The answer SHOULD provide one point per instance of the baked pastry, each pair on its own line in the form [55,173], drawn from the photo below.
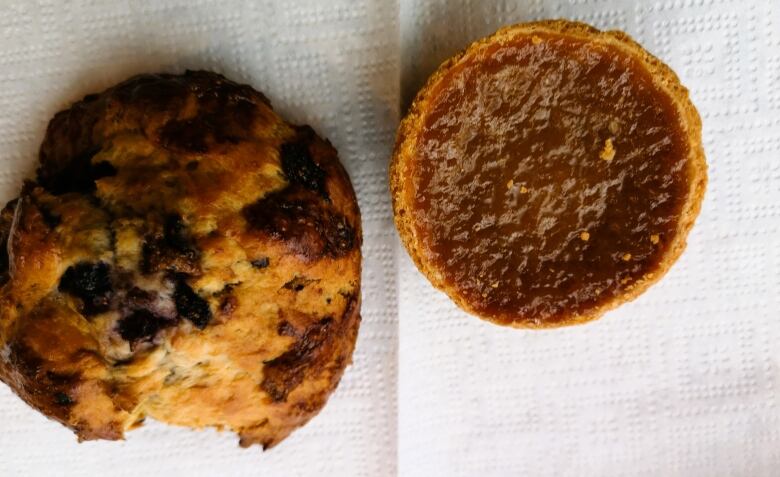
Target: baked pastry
[183,254]
[548,173]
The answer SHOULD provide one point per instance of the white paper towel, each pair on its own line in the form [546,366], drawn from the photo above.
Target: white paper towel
[333,65]
[682,382]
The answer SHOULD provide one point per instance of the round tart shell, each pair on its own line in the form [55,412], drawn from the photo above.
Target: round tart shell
[409,132]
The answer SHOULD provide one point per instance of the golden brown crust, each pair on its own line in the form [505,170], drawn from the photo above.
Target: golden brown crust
[666,80]
[184,254]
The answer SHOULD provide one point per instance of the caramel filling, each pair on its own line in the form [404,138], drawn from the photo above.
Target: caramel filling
[549,176]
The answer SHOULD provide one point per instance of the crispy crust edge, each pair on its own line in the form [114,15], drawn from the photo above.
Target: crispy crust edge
[663,76]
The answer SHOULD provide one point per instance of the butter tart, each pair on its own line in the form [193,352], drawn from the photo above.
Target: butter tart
[548,173]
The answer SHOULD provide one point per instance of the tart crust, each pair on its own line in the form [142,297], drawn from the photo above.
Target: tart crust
[410,131]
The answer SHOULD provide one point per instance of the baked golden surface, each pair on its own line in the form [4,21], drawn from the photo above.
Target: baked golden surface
[547,174]
[184,254]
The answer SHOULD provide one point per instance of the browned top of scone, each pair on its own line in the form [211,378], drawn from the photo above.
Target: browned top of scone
[184,253]
[548,173]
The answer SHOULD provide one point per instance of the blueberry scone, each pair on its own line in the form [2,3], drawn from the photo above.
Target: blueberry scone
[183,254]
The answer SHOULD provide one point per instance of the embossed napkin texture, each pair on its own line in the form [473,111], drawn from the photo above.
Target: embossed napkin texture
[682,382]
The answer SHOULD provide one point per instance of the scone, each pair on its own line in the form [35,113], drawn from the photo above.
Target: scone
[548,173]
[183,254]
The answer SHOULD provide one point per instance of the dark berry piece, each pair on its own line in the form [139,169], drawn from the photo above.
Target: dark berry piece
[298,283]
[191,306]
[62,399]
[260,262]
[141,325]
[228,304]
[91,282]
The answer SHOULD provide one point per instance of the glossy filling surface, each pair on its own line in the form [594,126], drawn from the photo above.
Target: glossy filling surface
[549,176]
